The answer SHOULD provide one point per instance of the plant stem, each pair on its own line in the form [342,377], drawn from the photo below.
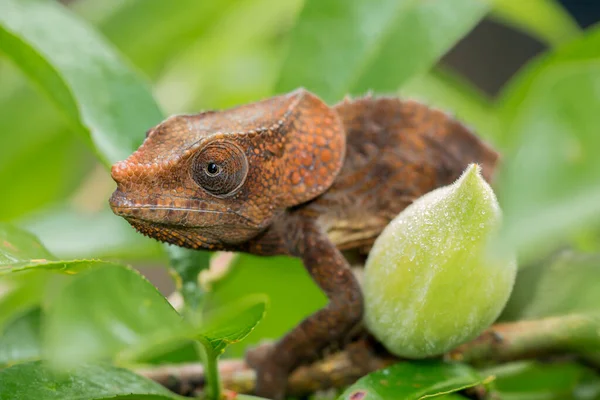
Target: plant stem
[501,342]
[210,372]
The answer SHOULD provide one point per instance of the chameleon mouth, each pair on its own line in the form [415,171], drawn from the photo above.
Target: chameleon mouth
[168,215]
[183,222]
[174,235]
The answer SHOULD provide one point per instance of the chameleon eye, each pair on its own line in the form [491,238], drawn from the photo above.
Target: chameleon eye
[220,168]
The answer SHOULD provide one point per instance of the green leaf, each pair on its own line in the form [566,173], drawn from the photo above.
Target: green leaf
[565,284]
[65,267]
[548,112]
[109,312]
[241,55]
[418,38]
[91,84]
[449,91]
[545,19]
[531,380]
[233,322]
[550,184]
[72,234]
[21,251]
[520,88]
[39,153]
[329,64]
[25,266]
[20,339]
[45,169]
[371,45]
[186,352]
[115,313]
[88,382]
[173,28]
[284,280]
[186,266]
[19,247]
[20,292]
[226,326]
[414,381]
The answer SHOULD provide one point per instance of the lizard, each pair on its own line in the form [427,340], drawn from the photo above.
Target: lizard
[290,175]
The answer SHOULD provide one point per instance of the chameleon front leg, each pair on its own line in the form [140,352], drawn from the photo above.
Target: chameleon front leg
[329,269]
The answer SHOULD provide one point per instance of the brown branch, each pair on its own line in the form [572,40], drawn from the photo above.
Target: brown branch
[501,342]
[528,339]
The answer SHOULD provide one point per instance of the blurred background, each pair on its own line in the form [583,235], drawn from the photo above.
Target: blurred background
[201,55]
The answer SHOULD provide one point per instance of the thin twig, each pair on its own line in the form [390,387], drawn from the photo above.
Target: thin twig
[501,342]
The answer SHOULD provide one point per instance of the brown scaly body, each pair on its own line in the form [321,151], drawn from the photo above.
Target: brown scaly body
[290,175]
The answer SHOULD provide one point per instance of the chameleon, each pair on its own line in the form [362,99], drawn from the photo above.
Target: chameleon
[290,175]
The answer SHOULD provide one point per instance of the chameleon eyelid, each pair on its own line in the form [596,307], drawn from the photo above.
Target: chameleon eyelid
[232,167]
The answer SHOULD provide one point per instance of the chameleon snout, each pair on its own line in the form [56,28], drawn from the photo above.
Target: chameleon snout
[120,201]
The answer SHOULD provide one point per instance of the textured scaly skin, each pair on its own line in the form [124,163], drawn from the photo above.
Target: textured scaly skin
[295,177]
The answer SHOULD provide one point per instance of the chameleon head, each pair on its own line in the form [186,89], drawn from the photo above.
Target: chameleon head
[216,179]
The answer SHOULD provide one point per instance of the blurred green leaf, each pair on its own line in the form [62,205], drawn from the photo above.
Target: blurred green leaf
[20,339]
[25,265]
[418,38]
[587,240]
[22,251]
[371,45]
[531,380]
[545,19]
[88,382]
[19,247]
[449,91]
[43,174]
[548,116]
[162,37]
[232,322]
[37,152]
[110,311]
[236,62]
[96,12]
[567,283]
[186,265]
[284,280]
[519,89]
[328,64]
[95,89]
[186,352]
[414,380]
[19,292]
[65,267]
[114,312]
[71,234]
[550,183]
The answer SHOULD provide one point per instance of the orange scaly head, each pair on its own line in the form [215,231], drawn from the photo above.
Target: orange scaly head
[216,179]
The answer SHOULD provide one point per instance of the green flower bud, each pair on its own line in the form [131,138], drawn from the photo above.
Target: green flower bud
[430,281]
